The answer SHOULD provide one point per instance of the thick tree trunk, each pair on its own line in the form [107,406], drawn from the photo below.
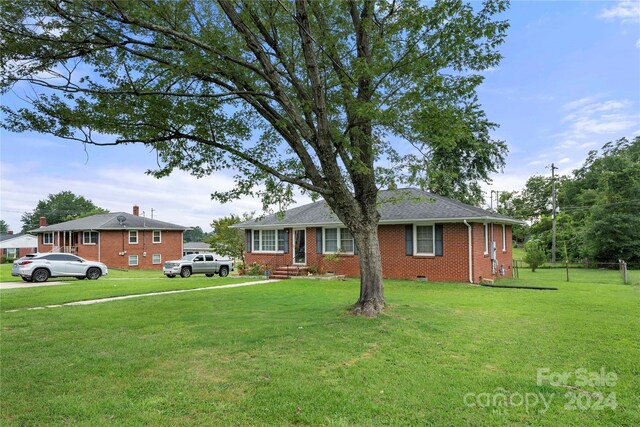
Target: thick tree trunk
[371,301]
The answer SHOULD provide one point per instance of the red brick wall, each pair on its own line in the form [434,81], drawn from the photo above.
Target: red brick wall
[482,262]
[24,251]
[111,244]
[453,265]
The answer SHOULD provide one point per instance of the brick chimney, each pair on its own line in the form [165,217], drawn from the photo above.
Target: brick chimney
[136,210]
[43,221]
[10,232]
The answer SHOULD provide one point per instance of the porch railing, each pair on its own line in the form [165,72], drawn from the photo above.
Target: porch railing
[278,260]
[65,249]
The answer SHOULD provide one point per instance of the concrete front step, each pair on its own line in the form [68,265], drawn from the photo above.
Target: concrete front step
[279,277]
[289,271]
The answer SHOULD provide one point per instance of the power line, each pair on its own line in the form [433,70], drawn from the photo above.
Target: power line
[580,207]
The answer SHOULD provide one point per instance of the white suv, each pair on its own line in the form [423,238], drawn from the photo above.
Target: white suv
[41,267]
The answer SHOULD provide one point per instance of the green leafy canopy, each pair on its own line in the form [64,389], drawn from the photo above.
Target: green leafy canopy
[332,96]
[60,207]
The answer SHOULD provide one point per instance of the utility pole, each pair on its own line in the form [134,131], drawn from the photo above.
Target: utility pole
[152,210]
[553,213]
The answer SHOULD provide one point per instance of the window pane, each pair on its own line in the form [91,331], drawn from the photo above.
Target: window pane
[89,237]
[504,237]
[331,240]
[157,258]
[346,240]
[133,259]
[133,237]
[156,236]
[281,236]
[256,240]
[424,239]
[268,240]
[486,238]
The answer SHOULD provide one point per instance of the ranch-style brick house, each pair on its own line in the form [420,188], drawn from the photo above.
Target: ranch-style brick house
[118,239]
[17,245]
[422,236]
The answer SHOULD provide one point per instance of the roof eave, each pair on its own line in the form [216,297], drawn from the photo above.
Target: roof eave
[387,222]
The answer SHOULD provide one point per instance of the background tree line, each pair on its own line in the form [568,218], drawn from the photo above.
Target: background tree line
[598,206]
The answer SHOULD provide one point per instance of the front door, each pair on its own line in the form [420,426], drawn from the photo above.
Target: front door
[299,246]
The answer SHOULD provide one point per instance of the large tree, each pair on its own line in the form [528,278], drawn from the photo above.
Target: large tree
[598,205]
[195,234]
[60,207]
[228,241]
[4,227]
[333,97]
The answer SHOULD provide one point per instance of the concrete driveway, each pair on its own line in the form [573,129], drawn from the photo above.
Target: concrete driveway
[18,285]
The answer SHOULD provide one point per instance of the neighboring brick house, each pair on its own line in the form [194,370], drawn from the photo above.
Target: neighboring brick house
[17,245]
[422,236]
[119,239]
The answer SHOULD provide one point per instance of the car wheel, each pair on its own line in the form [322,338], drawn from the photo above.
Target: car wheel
[93,273]
[81,277]
[171,276]
[40,275]
[185,272]
[224,271]
[209,275]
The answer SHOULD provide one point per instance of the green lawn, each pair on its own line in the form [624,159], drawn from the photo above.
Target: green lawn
[5,274]
[286,353]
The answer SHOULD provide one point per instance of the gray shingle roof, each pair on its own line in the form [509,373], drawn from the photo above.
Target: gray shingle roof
[109,221]
[197,245]
[396,206]
[4,237]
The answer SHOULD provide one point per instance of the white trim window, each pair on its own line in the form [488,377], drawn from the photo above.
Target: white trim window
[156,259]
[89,237]
[337,240]
[47,238]
[424,239]
[157,236]
[133,260]
[504,238]
[486,238]
[269,240]
[133,237]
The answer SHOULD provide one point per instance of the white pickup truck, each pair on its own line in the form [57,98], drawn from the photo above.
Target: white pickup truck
[207,264]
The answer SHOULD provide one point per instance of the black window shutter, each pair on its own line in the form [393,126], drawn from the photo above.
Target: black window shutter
[318,240]
[438,228]
[356,251]
[247,235]
[408,239]
[286,240]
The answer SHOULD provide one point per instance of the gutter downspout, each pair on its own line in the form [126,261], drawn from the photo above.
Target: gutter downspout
[470,253]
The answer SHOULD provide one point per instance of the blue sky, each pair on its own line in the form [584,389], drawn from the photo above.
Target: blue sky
[569,82]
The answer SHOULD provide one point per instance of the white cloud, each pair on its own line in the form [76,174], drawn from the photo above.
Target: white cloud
[564,160]
[625,11]
[179,198]
[590,117]
[588,145]
[580,102]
